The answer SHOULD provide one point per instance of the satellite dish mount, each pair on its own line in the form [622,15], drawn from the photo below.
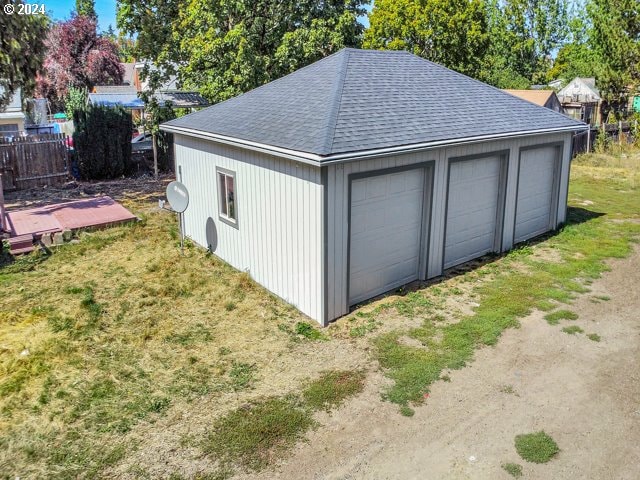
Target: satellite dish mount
[178,198]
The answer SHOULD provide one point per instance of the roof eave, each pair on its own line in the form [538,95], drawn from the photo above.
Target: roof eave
[320,160]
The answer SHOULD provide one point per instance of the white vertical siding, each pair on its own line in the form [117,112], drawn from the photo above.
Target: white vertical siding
[279,209]
[338,207]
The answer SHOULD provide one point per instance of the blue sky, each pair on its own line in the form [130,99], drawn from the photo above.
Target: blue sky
[61,10]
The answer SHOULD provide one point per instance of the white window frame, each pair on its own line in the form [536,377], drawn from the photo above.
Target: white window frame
[223,198]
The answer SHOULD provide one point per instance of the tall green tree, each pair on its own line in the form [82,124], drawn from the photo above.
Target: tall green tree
[453,33]
[21,53]
[576,58]
[224,48]
[534,29]
[616,38]
[86,8]
[499,65]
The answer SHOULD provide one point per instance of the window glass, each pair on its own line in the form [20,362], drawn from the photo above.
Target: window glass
[222,193]
[231,210]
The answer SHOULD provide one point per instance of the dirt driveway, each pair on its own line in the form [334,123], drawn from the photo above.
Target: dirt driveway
[585,394]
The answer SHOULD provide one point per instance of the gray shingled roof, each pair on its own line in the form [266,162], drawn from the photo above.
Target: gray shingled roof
[358,100]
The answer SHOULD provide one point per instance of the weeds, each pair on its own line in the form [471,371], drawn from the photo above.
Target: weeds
[513,469]
[594,337]
[252,436]
[536,447]
[554,318]
[572,330]
[331,389]
[242,375]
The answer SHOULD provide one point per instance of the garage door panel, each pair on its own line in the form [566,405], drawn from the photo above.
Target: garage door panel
[536,182]
[472,209]
[386,230]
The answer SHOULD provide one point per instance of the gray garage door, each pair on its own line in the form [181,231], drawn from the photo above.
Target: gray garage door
[472,209]
[536,189]
[386,226]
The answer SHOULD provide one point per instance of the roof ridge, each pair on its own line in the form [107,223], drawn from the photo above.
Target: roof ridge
[336,101]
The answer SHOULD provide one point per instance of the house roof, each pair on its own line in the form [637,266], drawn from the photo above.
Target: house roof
[539,97]
[129,98]
[580,90]
[365,100]
[126,100]
[125,89]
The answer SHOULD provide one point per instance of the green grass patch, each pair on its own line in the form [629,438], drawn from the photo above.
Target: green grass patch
[513,469]
[594,337]
[536,447]
[333,388]
[572,329]
[554,318]
[252,436]
[308,331]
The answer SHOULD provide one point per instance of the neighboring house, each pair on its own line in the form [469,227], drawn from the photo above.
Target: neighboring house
[12,117]
[127,97]
[543,98]
[580,99]
[141,85]
[555,84]
[128,78]
[365,171]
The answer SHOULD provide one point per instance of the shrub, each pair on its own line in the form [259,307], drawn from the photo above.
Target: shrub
[76,99]
[103,141]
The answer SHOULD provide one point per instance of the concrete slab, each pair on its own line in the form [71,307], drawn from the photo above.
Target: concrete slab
[92,212]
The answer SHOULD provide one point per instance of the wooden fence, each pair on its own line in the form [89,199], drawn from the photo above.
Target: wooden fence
[620,133]
[33,161]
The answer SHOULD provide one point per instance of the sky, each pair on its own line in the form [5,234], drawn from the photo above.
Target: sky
[61,10]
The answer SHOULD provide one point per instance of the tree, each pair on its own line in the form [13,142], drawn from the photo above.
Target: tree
[450,32]
[576,58]
[21,53]
[77,57]
[499,66]
[86,8]
[616,38]
[226,48]
[534,29]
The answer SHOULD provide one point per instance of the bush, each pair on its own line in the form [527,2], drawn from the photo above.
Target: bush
[103,141]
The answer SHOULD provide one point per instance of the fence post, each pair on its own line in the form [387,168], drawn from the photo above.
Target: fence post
[588,138]
[2,212]
[620,132]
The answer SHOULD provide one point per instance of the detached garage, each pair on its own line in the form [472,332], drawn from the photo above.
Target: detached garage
[365,171]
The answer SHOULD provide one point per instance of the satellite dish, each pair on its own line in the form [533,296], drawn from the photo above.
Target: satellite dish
[178,196]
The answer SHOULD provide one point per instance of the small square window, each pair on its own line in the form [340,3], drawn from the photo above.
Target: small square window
[226,196]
